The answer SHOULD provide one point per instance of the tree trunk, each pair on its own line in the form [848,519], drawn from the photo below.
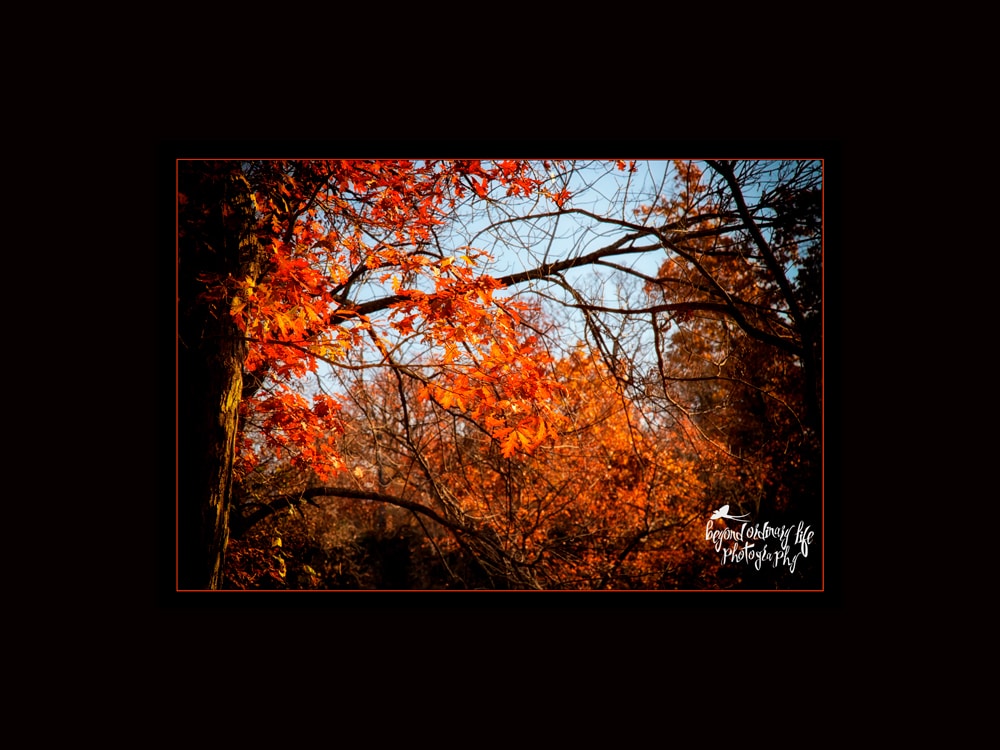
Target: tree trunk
[215,237]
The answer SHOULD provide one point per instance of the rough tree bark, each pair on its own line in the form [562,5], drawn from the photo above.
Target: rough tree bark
[218,237]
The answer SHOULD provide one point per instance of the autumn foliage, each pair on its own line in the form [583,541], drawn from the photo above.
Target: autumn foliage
[409,417]
[320,246]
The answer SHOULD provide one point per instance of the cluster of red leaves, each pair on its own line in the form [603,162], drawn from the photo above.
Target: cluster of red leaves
[290,426]
[487,369]
[318,221]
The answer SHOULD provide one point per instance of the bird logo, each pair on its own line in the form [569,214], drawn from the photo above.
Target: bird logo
[723,512]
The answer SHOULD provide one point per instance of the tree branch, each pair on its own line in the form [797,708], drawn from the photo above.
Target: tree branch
[726,171]
[720,307]
[293,499]
[548,270]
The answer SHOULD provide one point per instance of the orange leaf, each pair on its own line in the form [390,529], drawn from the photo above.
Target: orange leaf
[510,444]
[525,440]
[540,434]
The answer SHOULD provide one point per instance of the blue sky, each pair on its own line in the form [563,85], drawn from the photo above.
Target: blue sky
[597,187]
